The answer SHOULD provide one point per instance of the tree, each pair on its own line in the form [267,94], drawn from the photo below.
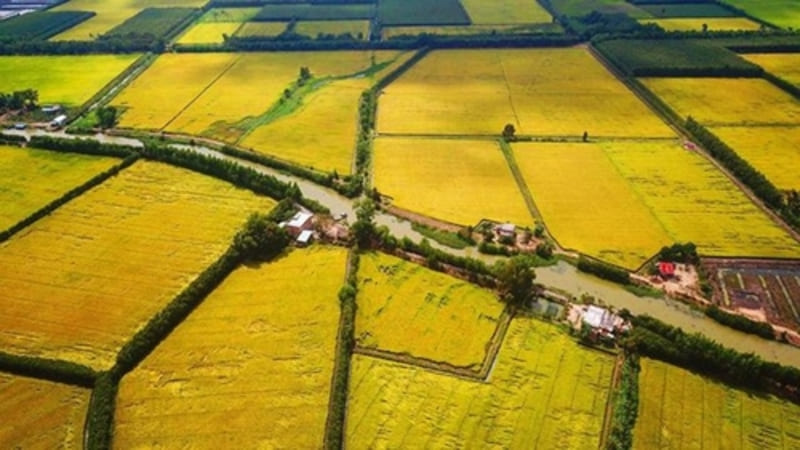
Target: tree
[364,226]
[261,238]
[509,132]
[515,277]
[305,75]
[107,117]
[705,27]
[585,136]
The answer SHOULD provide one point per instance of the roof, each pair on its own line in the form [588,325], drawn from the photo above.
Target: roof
[597,317]
[666,268]
[507,227]
[60,118]
[305,237]
[300,219]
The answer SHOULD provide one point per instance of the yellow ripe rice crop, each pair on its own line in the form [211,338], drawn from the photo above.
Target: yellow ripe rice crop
[154,98]
[41,414]
[251,367]
[784,65]
[696,202]
[99,267]
[774,151]
[336,27]
[586,205]
[545,391]
[679,409]
[711,102]
[67,80]
[713,23]
[409,309]
[459,181]
[30,179]
[110,13]
[505,12]
[209,32]
[540,91]
[261,29]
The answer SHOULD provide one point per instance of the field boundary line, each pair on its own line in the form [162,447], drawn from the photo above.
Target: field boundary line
[441,368]
[508,154]
[203,91]
[510,96]
[608,417]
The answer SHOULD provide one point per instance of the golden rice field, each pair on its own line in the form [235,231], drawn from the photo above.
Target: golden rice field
[680,410]
[209,32]
[41,414]
[713,23]
[545,391]
[332,112]
[251,367]
[784,65]
[696,202]
[773,151]
[505,12]
[409,309]
[709,100]
[541,91]
[30,179]
[110,13]
[336,27]
[586,205]
[261,29]
[132,243]
[459,181]
[67,80]
[225,95]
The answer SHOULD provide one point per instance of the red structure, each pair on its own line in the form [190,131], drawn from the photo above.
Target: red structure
[666,269]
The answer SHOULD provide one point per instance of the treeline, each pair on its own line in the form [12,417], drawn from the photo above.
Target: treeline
[682,253]
[741,323]
[653,338]
[626,406]
[84,146]
[744,172]
[12,139]
[71,194]
[345,341]
[603,270]
[48,369]
[26,98]
[110,44]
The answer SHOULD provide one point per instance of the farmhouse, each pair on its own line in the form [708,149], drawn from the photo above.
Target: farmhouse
[666,270]
[600,319]
[301,221]
[508,230]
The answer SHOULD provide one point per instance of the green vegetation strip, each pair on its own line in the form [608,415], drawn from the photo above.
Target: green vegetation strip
[626,406]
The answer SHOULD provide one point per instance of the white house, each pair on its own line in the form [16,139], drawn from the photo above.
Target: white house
[300,222]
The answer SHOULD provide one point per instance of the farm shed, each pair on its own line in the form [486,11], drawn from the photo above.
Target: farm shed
[506,230]
[300,222]
[599,319]
[305,238]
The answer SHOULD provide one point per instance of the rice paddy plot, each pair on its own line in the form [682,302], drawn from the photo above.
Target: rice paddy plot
[111,13]
[465,30]
[709,23]
[30,179]
[586,205]
[695,202]
[459,181]
[234,15]
[80,282]
[540,91]
[411,310]
[505,12]
[773,151]
[709,100]
[668,10]
[783,13]
[358,29]
[250,367]
[209,33]
[422,12]
[41,414]
[545,391]
[783,65]
[580,8]
[679,409]
[68,80]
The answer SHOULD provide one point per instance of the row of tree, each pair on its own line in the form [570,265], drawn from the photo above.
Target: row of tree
[26,99]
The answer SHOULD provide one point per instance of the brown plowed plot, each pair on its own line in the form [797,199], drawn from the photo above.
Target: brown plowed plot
[41,414]
[784,312]
[792,284]
[78,283]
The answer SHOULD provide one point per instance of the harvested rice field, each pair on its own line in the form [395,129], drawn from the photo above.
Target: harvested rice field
[30,179]
[783,65]
[111,13]
[133,242]
[587,206]
[712,23]
[545,391]
[622,201]
[41,414]
[549,92]
[67,80]
[408,309]
[773,151]
[459,181]
[256,356]
[679,409]
[709,100]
